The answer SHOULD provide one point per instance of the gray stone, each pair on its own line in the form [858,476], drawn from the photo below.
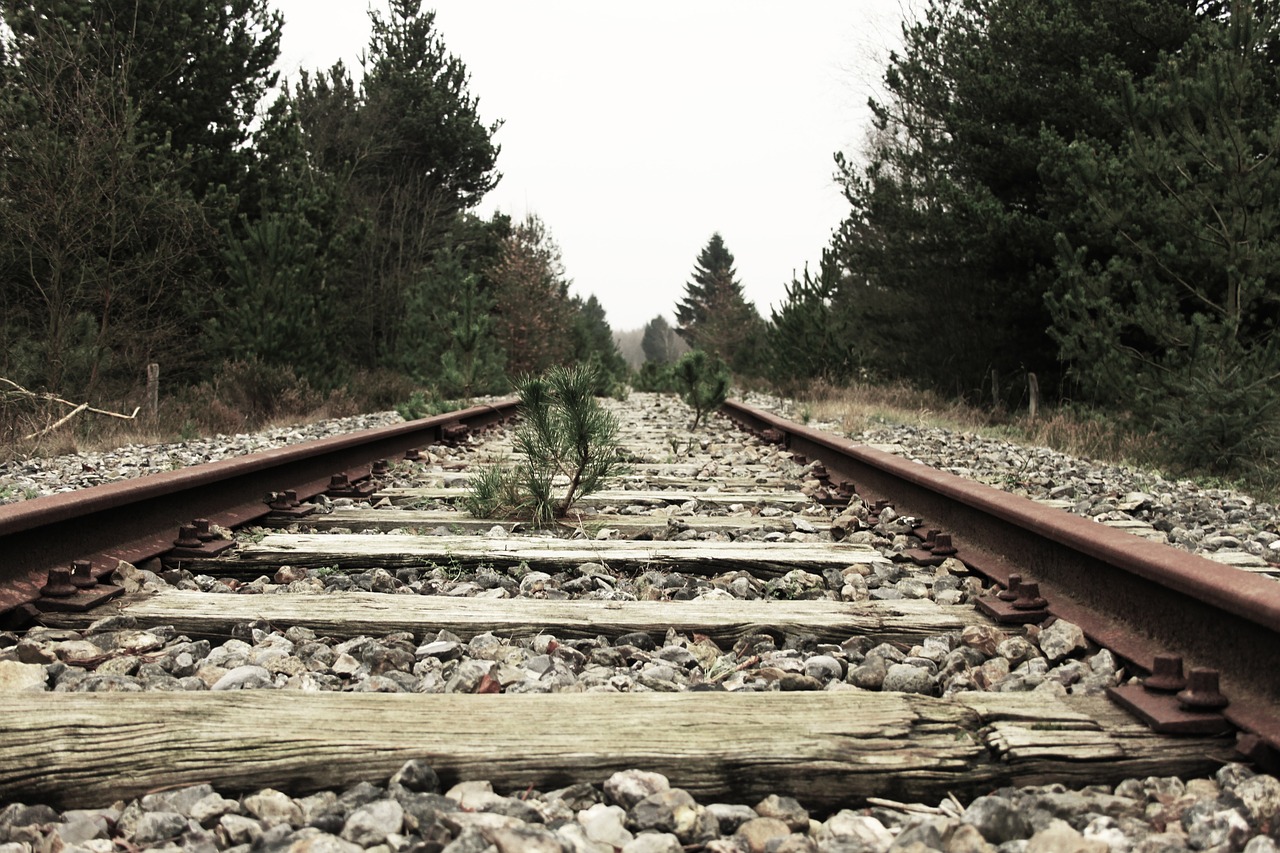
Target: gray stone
[1258,799]
[244,677]
[1016,650]
[757,833]
[526,839]
[158,826]
[997,819]
[1059,837]
[905,678]
[273,807]
[323,842]
[730,816]
[865,831]
[823,668]
[373,822]
[786,809]
[675,811]
[1062,639]
[926,832]
[417,775]
[868,676]
[181,800]
[212,806]
[604,824]
[80,829]
[628,787]
[18,677]
[1261,844]
[240,829]
[653,842]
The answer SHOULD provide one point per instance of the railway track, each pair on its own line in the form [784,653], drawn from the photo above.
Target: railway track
[746,615]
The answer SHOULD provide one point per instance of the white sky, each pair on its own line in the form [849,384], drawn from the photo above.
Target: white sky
[637,130]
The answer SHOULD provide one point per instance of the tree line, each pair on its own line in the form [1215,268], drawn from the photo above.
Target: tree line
[1083,190]
[165,197]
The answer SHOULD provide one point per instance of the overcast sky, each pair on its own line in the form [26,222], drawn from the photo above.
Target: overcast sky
[637,130]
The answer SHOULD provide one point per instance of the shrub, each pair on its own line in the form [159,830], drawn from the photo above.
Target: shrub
[703,381]
[570,447]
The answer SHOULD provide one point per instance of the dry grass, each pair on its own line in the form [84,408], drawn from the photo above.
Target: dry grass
[240,397]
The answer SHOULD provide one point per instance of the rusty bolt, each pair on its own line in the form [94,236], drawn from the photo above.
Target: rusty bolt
[187,537]
[1166,675]
[1202,691]
[339,481]
[1010,592]
[291,497]
[204,529]
[930,537]
[1028,597]
[413,454]
[942,546]
[59,584]
[82,574]
[380,468]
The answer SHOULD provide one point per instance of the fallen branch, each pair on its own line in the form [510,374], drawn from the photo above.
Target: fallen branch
[51,427]
[76,408]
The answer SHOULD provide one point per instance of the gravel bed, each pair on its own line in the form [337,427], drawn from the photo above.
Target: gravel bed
[1218,523]
[635,811]
[113,655]
[25,479]
[638,811]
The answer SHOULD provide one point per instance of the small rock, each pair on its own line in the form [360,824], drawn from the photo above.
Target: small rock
[1061,639]
[373,822]
[653,842]
[244,678]
[158,826]
[628,787]
[273,807]
[905,678]
[786,809]
[997,819]
[18,677]
[605,824]
[1059,837]
[757,833]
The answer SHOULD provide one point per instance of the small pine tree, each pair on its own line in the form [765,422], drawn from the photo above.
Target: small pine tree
[703,381]
[569,443]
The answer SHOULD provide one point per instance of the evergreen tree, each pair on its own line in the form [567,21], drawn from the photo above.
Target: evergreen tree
[194,71]
[811,335]
[715,316]
[98,234]
[594,347]
[410,156]
[1171,302]
[951,233]
[531,291]
[660,344]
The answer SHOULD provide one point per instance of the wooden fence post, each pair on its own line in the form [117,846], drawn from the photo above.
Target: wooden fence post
[153,392]
[1033,386]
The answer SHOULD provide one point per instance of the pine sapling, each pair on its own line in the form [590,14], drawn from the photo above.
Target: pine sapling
[570,448]
[703,381]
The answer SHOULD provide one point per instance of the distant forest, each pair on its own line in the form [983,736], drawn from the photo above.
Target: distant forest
[1080,190]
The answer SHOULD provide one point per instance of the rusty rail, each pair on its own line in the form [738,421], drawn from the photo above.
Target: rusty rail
[1139,598]
[135,520]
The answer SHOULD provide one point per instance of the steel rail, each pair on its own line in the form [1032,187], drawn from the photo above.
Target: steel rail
[1138,598]
[134,520]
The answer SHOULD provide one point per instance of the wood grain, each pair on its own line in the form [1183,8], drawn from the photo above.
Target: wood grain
[374,614]
[829,750]
[353,551]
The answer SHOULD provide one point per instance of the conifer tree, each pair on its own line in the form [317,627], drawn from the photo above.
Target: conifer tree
[715,316]
[660,344]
